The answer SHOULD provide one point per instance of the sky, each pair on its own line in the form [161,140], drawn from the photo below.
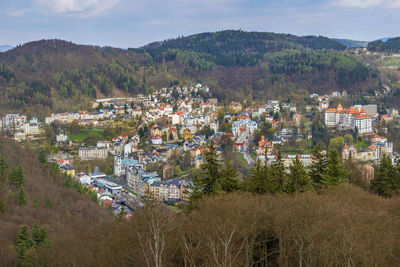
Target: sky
[134,23]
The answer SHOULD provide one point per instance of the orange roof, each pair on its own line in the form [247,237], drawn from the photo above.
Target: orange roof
[339,106]
[331,109]
[385,116]
[362,116]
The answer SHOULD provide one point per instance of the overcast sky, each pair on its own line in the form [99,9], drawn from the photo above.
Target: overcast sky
[133,23]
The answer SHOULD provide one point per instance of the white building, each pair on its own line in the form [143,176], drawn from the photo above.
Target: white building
[243,125]
[349,119]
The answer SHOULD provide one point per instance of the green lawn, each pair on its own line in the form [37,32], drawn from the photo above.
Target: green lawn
[82,135]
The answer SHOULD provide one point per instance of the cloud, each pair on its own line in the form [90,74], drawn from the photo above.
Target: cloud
[368,3]
[80,7]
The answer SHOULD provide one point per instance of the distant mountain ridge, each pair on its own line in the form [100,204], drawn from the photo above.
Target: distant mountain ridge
[391,45]
[4,48]
[55,75]
[352,43]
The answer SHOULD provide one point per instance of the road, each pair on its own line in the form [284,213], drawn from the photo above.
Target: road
[246,154]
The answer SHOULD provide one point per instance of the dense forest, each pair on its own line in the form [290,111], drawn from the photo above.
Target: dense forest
[392,45]
[53,75]
[47,219]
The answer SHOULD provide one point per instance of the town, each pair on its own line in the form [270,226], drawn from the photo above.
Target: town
[126,149]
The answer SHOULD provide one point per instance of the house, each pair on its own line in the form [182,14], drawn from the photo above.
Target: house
[187,134]
[368,172]
[88,153]
[156,140]
[236,106]
[68,170]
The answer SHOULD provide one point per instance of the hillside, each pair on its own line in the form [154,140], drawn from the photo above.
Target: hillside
[66,214]
[335,227]
[55,75]
[352,43]
[391,45]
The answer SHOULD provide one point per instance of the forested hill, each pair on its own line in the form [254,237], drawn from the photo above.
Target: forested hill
[55,75]
[229,48]
[391,45]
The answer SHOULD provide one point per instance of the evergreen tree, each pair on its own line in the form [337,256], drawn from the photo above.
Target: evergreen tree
[209,183]
[386,181]
[17,176]
[335,171]
[298,178]
[23,242]
[259,181]
[39,235]
[21,200]
[278,174]
[229,178]
[42,157]
[318,168]
[3,168]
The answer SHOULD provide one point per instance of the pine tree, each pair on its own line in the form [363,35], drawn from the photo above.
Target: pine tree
[209,182]
[21,200]
[17,176]
[318,168]
[229,178]
[42,157]
[39,235]
[3,168]
[386,180]
[259,181]
[23,242]
[298,178]
[278,174]
[335,170]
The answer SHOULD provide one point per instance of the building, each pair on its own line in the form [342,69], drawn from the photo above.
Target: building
[32,127]
[13,122]
[350,118]
[88,153]
[61,138]
[68,170]
[121,164]
[243,125]
[368,172]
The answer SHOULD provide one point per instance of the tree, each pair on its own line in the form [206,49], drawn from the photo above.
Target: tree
[336,143]
[17,176]
[298,178]
[259,181]
[23,242]
[3,167]
[386,181]
[39,235]
[209,183]
[335,171]
[42,157]
[318,167]
[278,174]
[229,178]
[21,200]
